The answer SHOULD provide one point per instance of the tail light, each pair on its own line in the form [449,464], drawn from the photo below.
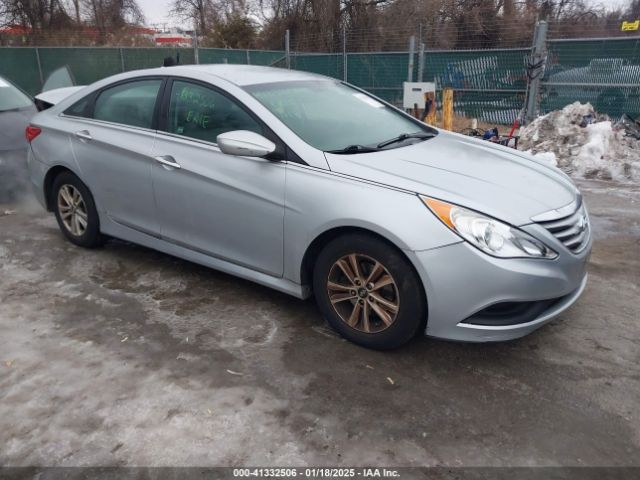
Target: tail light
[32,132]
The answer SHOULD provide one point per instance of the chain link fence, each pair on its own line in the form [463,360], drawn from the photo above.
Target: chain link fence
[491,84]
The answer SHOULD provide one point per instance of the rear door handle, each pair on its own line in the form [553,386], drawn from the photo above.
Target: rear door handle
[167,161]
[84,135]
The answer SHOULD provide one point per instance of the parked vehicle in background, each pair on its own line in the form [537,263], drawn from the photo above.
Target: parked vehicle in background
[309,185]
[16,110]
[612,82]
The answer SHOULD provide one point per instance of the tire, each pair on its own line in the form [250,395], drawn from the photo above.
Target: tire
[401,302]
[70,197]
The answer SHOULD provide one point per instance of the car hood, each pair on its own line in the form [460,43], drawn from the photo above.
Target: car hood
[12,126]
[498,181]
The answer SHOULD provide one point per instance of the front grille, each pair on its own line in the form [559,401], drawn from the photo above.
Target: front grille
[573,231]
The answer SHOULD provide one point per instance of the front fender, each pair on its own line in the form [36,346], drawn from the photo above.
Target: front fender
[318,201]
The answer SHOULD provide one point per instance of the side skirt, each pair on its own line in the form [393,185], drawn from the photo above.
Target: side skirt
[117,230]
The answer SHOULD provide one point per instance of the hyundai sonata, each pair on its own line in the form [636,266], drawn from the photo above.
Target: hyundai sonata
[314,187]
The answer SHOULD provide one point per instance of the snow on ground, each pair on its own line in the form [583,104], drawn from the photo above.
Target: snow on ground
[596,150]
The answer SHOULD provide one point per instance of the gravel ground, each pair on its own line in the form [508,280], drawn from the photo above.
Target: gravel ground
[124,356]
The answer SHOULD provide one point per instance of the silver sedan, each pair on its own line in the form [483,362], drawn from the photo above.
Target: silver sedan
[313,187]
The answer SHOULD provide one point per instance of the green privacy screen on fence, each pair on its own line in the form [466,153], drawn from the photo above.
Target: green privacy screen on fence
[330,64]
[245,57]
[20,65]
[489,84]
[87,64]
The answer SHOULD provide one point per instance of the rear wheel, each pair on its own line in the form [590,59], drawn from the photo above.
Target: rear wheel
[369,292]
[76,211]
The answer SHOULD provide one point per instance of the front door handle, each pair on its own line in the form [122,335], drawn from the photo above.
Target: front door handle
[84,135]
[167,161]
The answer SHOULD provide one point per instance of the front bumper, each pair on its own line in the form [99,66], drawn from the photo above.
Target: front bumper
[460,281]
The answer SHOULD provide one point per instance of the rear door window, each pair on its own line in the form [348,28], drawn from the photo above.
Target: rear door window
[131,103]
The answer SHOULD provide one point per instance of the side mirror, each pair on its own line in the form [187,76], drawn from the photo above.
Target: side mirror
[245,143]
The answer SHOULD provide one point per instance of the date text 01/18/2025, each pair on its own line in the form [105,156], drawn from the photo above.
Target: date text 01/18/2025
[316,472]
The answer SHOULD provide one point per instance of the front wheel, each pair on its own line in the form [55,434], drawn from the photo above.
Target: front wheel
[369,292]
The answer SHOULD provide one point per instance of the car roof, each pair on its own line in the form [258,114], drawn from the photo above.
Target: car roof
[240,75]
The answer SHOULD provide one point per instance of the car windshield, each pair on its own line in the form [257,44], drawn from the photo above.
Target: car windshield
[332,116]
[11,98]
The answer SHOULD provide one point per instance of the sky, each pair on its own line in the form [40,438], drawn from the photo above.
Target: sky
[156,11]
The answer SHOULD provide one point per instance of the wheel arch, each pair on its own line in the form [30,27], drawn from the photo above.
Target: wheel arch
[49,178]
[321,240]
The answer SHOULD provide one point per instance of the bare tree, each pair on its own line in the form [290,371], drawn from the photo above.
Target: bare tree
[36,14]
[316,24]
[197,11]
[76,9]
[112,15]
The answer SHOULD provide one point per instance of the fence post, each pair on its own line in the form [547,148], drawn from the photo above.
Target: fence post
[430,105]
[344,53]
[196,53]
[535,70]
[122,60]
[447,109]
[39,67]
[420,62]
[287,50]
[248,58]
[412,50]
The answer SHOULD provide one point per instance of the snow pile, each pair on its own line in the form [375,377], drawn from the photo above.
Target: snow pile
[548,157]
[583,143]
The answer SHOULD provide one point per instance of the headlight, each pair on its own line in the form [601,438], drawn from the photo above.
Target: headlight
[489,235]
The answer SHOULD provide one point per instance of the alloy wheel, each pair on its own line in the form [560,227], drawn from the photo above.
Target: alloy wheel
[363,293]
[73,210]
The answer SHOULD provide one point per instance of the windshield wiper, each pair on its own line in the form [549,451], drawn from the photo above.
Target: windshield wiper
[405,136]
[354,149]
